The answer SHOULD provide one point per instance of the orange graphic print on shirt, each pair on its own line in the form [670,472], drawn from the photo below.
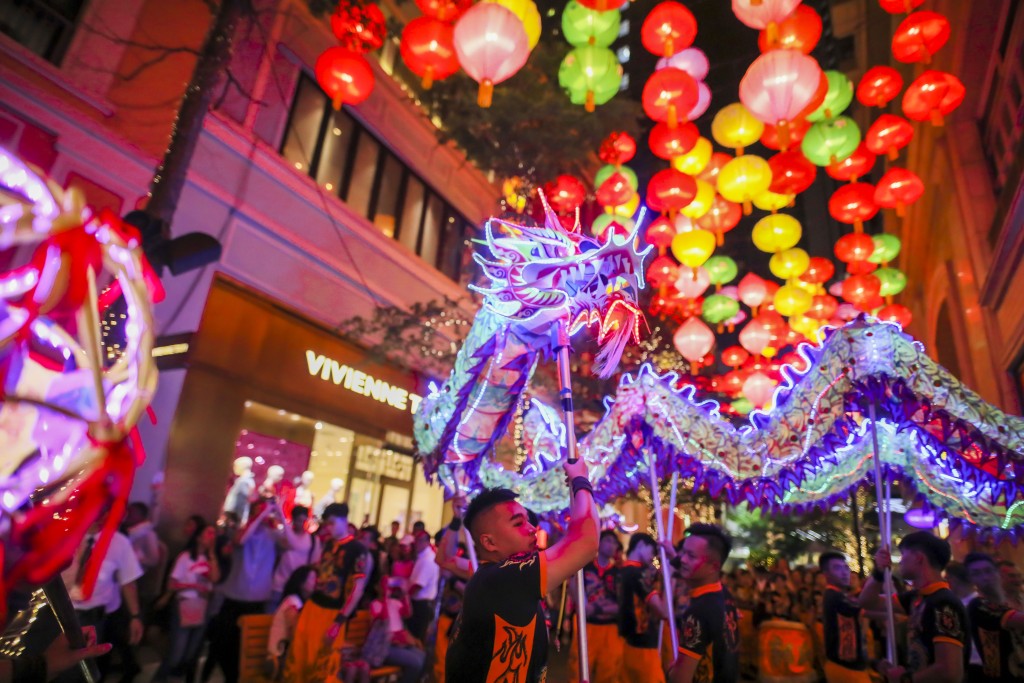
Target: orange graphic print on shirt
[513,645]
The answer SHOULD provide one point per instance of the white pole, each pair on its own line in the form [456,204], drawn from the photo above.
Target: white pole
[883,524]
[666,575]
[470,549]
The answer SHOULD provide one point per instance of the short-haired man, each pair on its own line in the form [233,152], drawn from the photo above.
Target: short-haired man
[641,611]
[604,644]
[845,656]
[423,583]
[1013,583]
[295,547]
[501,635]
[709,631]
[937,646]
[340,582]
[997,629]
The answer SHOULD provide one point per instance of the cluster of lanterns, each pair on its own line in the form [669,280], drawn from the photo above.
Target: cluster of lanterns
[793,107]
[591,73]
[343,71]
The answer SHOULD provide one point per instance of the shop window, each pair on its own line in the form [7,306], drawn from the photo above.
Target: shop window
[335,151]
[346,159]
[43,26]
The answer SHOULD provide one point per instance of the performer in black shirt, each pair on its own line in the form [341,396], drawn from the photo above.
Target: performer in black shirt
[997,629]
[641,611]
[500,635]
[709,632]
[937,645]
[600,582]
[845,659]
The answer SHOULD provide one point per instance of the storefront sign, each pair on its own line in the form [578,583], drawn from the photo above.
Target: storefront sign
[359,382]
[384,462]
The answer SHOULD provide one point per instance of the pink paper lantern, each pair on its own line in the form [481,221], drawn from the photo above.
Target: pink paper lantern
[693,340]
[690,285]
[761,14]
[778,86]
[703,101]
[491,45]
[759,389]
[692,60]
[752,290]
[755,337]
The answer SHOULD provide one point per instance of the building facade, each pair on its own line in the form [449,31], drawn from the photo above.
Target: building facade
[322,214]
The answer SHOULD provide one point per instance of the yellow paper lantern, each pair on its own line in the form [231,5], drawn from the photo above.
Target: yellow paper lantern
[702,201]
[735,127]
[629,208]
[694,161]
[693,248]
[744,178]
[772,201]
[806,326]
[789,264]
[528,14]
[776,232]
[790,300]
[511,188]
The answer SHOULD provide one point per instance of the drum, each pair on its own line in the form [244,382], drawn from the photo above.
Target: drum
[785,653]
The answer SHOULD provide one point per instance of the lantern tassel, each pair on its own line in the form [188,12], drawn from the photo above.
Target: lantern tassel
[894,153]
[719,238]
[747,207]
[428,78]
[669,47]
[485,93]
[771,33]
[936,118]
[783,129]
[673,117]
[337,101]
[858,226]
[589,106]
[901,209]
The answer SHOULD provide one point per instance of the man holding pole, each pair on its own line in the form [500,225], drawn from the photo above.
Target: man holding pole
[845,659]
[709,631]
[997,630]
[600,581]
[937,646]
[641,611]
[500,635]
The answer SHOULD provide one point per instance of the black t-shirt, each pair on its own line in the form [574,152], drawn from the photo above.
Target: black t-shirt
[936,615]
[710,633]
[1001,650]
[600,586]
[844,642]
[500,635]
[636,623]
[342,562]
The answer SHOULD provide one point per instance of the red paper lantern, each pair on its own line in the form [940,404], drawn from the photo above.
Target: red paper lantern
[854,204]
[660,233]
[714,165]
[897,189]
[668,28]
[854,166]
[797,130]
[933,95]
[615,190]
[735,356]
[360,28]
[428,49]
[792,173]
[669,95]
[919,36]
[801,31]
[900,6]
[688,307]
[854,247]
[860,267]
[896,313]
[861,288]
[670,190]
[667,143]
[819,271]
[345,76]
[878,86]
[617,148]
[722,217]
[444,10]
[663,271]
[565,193]
[823,307]
[888,135]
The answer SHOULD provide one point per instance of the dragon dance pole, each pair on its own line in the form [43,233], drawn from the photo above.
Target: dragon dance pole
[60,602]
[470,549]
[565,393]
[666,575]
[883,524]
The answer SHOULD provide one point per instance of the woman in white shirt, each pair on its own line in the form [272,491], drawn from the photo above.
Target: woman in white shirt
[297,590]
[192,578]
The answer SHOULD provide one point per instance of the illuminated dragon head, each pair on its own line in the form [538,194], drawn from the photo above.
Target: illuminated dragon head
[546,274]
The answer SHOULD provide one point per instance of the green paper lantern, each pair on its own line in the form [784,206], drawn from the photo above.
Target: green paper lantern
[605,172]
[591,75]
[721,269]
[743,406]
[887,248]
[831,141]
[602,222]
[838,98]
[893,281]
[718,308]
[584,26]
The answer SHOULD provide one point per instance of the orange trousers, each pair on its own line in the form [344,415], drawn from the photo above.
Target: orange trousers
[309,658]
[604,651]
[642,665]
[836,673]
[444,622]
